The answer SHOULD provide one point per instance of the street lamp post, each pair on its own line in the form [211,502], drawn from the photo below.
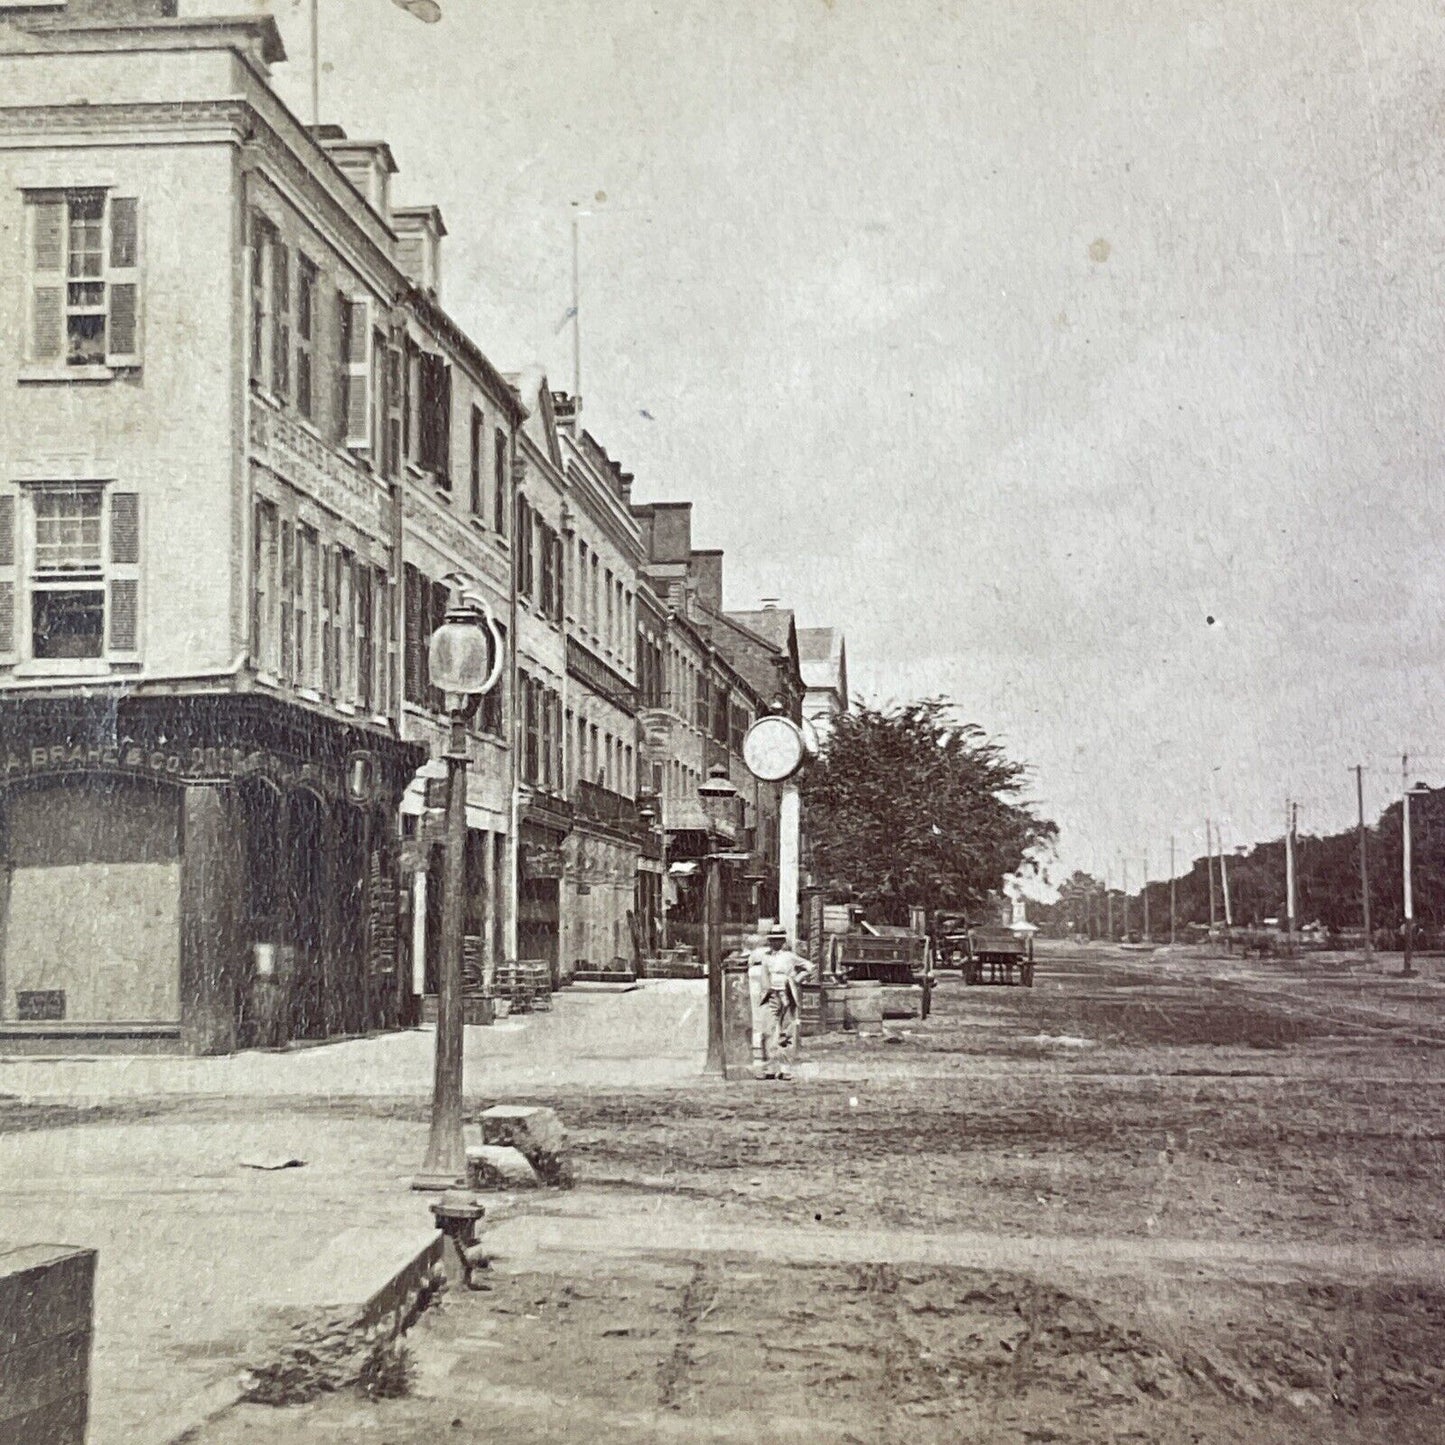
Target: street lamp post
[464,661]
[718,797]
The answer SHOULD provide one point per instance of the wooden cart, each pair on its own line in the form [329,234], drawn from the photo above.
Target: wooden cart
[999,955]
[900,960]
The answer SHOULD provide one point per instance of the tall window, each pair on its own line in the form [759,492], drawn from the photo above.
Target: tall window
[435,418]
[479,432]
[280,320]
[306,278]
[499,482]
[84,294]
[306,658]
[286,599]
[365,638]
[265,641]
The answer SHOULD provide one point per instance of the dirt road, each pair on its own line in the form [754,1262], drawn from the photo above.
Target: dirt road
[1150,1199]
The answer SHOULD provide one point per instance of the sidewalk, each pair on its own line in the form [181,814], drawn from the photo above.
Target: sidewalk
[197,1251]
[653,1035]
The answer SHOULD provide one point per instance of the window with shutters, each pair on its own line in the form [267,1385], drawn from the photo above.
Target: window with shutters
[357,339]
[441,596]
[491,714]
[262,232]
[395,412]
[344,623]
[290,586]
[478,433]
[84,292]
[415,594]
[307,662]
[9,593]
[306,282]
[83,573]
[384,688]
[532,735]
[435,419]
[265,644]
[365,638]
[499,481]
[280,320]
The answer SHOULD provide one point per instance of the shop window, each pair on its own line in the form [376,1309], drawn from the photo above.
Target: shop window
[84,293]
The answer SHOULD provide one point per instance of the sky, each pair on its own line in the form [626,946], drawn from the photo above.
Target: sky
[1083,363]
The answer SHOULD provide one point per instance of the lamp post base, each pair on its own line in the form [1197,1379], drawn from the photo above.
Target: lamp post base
[438,1182]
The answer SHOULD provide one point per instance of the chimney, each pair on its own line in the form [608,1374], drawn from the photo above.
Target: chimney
[671,531]
[419,232]
[705,571]
[564,410]
[367,164]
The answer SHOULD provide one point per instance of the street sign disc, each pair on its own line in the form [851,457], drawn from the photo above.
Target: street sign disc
[774,749]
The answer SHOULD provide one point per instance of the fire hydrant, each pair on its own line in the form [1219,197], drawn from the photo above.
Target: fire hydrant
[457,1214]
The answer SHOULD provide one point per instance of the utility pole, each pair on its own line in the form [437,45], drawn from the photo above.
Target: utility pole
[1291,816]
[577,314]
[1209,851]
[1364,862]
[1407,868]
[1124,885]
[1173,885]
[1147,934]
[1109,907]
[1224,877]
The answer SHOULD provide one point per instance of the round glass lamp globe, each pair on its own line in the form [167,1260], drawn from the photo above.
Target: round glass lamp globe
[459,659]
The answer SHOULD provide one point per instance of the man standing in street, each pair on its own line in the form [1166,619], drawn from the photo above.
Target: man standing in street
[776,973]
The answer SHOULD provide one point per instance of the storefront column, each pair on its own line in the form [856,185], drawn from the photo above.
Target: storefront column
[211,892]
[418,935]
[489,906]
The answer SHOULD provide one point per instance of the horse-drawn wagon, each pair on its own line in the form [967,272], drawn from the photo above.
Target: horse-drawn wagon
[1000,955]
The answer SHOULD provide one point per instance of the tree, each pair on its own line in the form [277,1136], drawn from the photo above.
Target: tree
[909,807]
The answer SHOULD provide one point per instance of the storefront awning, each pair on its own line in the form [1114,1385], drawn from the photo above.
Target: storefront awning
[413,800]
[686,815]
[682,870]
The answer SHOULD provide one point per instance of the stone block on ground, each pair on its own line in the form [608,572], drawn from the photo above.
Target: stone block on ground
[535,1132]
[494,1166]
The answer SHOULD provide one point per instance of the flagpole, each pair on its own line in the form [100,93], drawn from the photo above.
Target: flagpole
[315,63]
[577,312]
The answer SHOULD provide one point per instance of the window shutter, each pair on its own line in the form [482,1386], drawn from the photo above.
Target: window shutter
[7,577]
[123,289]
[47,278]
[280,319]
[444,427]
[341,371]
[358,376]
[395,404]
[122,612]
